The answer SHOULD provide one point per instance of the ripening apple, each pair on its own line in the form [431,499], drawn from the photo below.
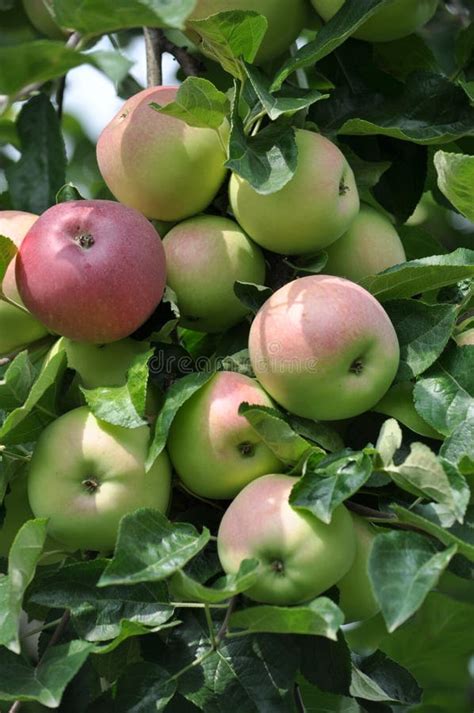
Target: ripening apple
[357,599]
[214,450]
[158,164]
[312,211]
[40,14]
[324,348]
[466,338]
[300,556]
[397,19]
[286,19]
[92,271]
[85,475]
[371,245]
[205,256]
[398,403]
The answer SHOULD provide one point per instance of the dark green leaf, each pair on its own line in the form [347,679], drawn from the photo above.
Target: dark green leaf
[144,687]
[251,295]
[185,588]
[68,192]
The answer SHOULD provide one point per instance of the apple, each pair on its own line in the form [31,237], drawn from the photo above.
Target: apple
[371,245]
[204,257]
[324,348]
[398,403]
[286,19]
[397,19]
[85,475]
[312,211]
[92,271]
[357,599]
[466,338]
[300,556]
[215,451]
[158,164]
[40,14]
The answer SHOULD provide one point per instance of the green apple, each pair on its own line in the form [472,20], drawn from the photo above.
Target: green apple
[398,403]
[286,19]
[40,14]
[397,19]
[324,348]
[466,338]
[357,599]
[300,556]
[312,211]
[214,450]
[205,256]
[158,164]
[17,328]
[371,245]
[85,475]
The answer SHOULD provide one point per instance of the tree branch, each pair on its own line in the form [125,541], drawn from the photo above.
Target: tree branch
[154,51]
[220,636]
[191,66]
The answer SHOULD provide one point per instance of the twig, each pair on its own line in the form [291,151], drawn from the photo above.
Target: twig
[191,66]
[220,636]
[60,96]
[154,51]
[383,518]
[299,700]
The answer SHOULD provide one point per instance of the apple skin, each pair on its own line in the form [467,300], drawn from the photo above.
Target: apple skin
[357,599]
[371,245]
[77,452]
[204,257]
[41,18]
[312,211]
[398,403]
[286,19]
[157,164]
[215,451]
[300,556]
[106,270]
[465,339]
[324,348]
[399,19]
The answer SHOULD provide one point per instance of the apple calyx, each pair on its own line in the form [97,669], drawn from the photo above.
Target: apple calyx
[357,367]
[343,187]
[246,449]
[91,485]
[84,240]
[277,566]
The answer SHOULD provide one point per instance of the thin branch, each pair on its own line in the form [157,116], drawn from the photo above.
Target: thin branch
[60,96]
[299,700]
[191,66]
[154,52]
[221,634]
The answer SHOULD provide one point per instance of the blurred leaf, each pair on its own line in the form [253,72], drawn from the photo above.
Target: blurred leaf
[150,548]
[418,243]
[8,251]
[40,172]
[68,192]
[251,295]
[198,103]
[405,56]
[455,180]
[418,566]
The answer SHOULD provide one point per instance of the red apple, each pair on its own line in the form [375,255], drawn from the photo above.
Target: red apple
[92,271]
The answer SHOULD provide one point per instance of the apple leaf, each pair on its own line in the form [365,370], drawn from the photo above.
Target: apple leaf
[330,482]
[413,278]
[455,180]
[230,37]
[22,560]
[151,548]
[418,242]
[97,17]
[198,103]
[317,701]
[68,192]
[185,588]
[458,448]
[251,295]
[318,433]
[45,683]
[8,251]
[389,441]
[17,382]
[176,396]
[321,617]
[402,57]
[378,678]
[144,687]
[418,565]
[276,432]
[99,614]
[444,396]
[352,15]
[423,332]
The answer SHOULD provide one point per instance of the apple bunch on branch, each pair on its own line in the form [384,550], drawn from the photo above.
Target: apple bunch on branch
[237,397]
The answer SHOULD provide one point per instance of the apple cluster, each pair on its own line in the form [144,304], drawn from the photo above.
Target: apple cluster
[91,272]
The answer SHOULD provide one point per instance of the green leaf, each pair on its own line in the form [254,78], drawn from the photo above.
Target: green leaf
[317,701]
[455,180]
[389,441]
[100,613]
[23,558]
[351,16]
[8,251]
[68,192]
[403,568]
[198,103]
[185,588]
[418,243]
[176,396]
[40,172]
[321,617]
[45,683]
[251,295]
[413,278]
[123,405]
[96,17]
[378,678]
[150,548]
[331,481]
[423,332]
[444,396]
[458,449]
[318,433]
[230,37]
[144,687]
[401,58]
[275,432]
